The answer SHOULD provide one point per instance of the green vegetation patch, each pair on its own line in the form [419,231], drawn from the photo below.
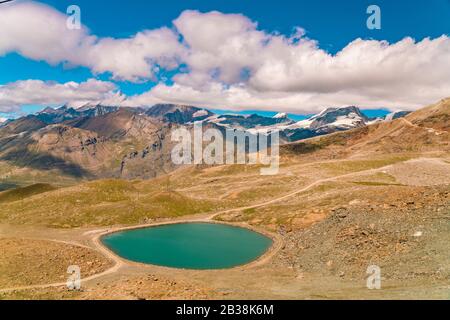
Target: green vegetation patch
[343,167]
[375,183]
[100,203]
[378,179]
[24,192]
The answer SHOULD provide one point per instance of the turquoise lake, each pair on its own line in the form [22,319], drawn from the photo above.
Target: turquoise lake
[189,245]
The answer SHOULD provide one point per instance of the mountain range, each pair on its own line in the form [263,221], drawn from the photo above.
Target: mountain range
[97,141]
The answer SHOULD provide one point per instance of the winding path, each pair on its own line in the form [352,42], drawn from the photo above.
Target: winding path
[118,262]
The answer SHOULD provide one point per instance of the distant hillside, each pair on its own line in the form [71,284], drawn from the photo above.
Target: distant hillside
[424,130]
[436,116]
[97,141]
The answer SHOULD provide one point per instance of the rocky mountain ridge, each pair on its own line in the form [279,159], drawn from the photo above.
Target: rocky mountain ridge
[107,141]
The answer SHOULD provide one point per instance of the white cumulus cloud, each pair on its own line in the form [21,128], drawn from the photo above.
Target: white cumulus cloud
[228,62]
[37,92]
[39,32]
[234,64]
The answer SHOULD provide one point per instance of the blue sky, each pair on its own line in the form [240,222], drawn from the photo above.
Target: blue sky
[333,24]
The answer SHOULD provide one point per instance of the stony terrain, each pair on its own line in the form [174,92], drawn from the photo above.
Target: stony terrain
[135,287]
[407,238]
[26,262]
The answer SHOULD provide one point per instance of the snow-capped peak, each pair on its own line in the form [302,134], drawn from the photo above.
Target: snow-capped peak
[336,118]
[47,110]
[280,115]
[2,120]
[303,124]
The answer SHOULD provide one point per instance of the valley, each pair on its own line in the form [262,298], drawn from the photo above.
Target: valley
[373,193]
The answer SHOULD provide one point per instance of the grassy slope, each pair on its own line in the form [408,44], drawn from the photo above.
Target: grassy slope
[189,191]
[24,192]
[104,202]
[200,190]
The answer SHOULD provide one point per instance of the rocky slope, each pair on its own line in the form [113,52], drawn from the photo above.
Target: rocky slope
[96,141]
[177,113]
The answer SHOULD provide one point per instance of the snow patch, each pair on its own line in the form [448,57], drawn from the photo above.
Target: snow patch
[351,120]
[303,124]
[200,113]
[280,115]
